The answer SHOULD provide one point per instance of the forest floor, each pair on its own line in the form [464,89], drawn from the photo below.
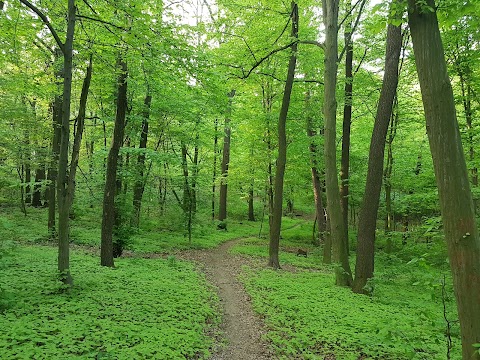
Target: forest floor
[241,327]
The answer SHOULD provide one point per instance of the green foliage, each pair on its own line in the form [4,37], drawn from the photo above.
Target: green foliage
[141,309]
[308,317]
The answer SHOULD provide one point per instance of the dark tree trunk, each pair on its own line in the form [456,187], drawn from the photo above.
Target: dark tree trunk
[273,260]
[316,180]
[222,208]
[193,194]
[139,186]
[347,122]
[27,170]
[369,210]
[108,218]
[187,202]
[62,180]
[215,152]
[338,235]
[77,142]
[251,211]
[37,188]
[456,203]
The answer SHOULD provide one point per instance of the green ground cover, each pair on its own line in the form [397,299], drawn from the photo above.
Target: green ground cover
[141,309]
[309,317]
[163,309]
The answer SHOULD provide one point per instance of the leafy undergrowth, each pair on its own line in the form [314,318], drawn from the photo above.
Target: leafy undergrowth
[310,318]
[296,234]
[155,235]
[142,309]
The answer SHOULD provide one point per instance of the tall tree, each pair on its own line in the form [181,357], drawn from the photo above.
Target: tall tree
[347,118]
[139,186]
[334,209]
[222,208]
[62,180]
[368,214]
[109,210]
[276,223]
[456,203]
[317,182]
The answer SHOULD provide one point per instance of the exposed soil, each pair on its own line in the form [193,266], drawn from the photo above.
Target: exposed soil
[242,329]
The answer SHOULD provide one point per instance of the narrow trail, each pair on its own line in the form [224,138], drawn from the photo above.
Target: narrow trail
[242,329]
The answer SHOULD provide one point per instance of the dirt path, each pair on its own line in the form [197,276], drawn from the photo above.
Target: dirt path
[242,328]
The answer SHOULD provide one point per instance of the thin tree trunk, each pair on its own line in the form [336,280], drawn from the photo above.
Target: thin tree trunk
[222,208]
[63,205]
[37,188]
[77,142]
[368,214]
[316,180]
[108,218]
[456,203]
[53,170]
[27,170]
[273,260]
[387,176]
[347,122]
[139,186]
[338,235]
[215,152]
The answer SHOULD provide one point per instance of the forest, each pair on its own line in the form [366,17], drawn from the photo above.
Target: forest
[240,179]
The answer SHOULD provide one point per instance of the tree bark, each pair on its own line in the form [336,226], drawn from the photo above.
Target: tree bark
[215,152]
[347,122]
[37,188]
[456,203]
[316,180]
[273,260]
[53,170]
[108,218]
[62,186]
[338,235]
[139,186]
[77,142]
[368,214]
[222,208]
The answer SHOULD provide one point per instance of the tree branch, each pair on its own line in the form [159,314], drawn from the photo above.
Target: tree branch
[47,23]
[313,42]
[259,62]
[357,20]
[102,22]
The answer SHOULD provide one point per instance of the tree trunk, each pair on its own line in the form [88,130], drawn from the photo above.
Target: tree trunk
[368,214]
[338,235]
[139,186]
[273,260]
[77,142]
[62,188]
[347,122]
[108,218]
[251,211]
[215,152]
[316,180]
[467,94]
[187,194]
[37,188]
[387,175]
[28,172]
[222,208]
[456,203]
[53,170]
